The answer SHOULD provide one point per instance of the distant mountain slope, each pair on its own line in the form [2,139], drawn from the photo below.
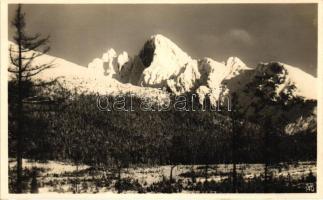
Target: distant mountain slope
[161,68]
[86,80]
[162,64]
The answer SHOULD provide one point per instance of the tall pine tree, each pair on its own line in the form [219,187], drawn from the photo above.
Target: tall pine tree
[26,49]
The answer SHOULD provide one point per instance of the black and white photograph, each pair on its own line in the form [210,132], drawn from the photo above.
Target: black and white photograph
[185,98]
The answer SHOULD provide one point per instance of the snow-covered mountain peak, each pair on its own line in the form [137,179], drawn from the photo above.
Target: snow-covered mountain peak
[286,76]
[305,83]
[162,40]
[235,67]
[206,60]
[163,46]
[158,36]
[162,59]
[109,55]
[162,64]
[236,63]
[111,64]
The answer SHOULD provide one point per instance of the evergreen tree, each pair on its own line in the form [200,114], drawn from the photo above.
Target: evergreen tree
[27,49]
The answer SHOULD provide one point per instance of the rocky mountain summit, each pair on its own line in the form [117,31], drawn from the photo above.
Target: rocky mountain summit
[161,68]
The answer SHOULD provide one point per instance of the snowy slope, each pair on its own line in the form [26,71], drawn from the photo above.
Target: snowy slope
[273,90]
[285,76]
[305,84]
[89,80]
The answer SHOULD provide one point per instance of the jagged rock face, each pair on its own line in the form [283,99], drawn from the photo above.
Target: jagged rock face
[186,80]
[162,64]
[123,61]
[147,53]
[275,80]
[137,68]
[162,59]
[167,66]
[215,73]
[287,80]
[202,92]
[271,91]
[124,67]
[110,63]
[303,123]
[236,67]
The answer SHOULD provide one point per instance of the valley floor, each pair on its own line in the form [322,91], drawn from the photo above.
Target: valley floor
[60,177]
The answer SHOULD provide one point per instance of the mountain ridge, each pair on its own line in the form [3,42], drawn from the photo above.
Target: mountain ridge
[162,64]
[161,69]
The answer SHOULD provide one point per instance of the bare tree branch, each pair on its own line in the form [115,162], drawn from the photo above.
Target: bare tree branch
[13,59]
[33,45]
[30,38]
[47,83]
[40,69]
[37,54]
[29,68]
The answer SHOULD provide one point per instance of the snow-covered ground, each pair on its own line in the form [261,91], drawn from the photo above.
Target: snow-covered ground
[60,177]
[49,167]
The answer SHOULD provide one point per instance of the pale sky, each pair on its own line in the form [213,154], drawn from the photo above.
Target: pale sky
[253,32]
